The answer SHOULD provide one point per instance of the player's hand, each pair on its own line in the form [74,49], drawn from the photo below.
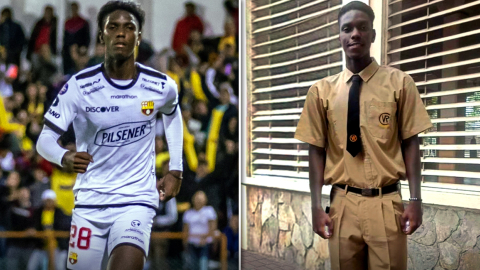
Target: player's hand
[77,161]
[413,214]
[320,220]
[169,185]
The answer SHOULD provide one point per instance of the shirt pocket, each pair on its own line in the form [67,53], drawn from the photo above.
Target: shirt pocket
[381,117]
[333,128]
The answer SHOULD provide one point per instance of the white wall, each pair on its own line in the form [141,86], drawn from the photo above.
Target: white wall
[161,16]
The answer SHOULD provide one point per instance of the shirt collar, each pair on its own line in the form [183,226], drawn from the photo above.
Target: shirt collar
[365,74]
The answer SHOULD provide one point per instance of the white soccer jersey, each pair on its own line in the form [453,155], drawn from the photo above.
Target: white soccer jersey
[116,125]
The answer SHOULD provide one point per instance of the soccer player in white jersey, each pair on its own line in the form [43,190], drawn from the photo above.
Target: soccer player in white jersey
[113,109]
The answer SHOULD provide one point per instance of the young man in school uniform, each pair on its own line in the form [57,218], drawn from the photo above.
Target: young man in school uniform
[362,127]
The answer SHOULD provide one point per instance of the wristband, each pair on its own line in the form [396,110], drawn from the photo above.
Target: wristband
[415,199]
[178,177]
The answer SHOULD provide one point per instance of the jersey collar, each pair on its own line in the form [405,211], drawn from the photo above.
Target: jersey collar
[117,86]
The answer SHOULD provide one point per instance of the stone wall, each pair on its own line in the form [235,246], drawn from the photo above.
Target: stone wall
[279,225]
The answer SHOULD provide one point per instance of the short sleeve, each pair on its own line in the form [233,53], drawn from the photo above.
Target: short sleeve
[210,213]
[412,115]
[64,108]
[171,101]
[186,217]
[312,126]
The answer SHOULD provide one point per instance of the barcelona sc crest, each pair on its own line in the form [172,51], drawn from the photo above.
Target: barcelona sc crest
[147,107]
[72,258]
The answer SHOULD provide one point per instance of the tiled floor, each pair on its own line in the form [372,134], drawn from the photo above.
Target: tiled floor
[255,261]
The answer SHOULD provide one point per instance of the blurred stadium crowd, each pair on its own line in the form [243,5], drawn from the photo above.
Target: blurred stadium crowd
[36,195]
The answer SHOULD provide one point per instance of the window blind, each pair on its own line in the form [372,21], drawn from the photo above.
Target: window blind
[437,43]
[292,44]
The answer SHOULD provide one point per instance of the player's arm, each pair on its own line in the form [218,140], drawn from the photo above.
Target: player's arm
[412,119]
[57,119]
[48,147]
[411,157]
[312,129]
[317,157]
[169,185]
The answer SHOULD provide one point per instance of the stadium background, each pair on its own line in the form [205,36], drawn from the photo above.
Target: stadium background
[205,70]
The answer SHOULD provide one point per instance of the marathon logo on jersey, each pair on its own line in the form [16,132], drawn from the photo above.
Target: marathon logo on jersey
[102,109]
[149,88]
[89,84]
[64,89]
[93,90]
[123,97]
[53,113]
[134,238]
[147,107]
[73,257]
[123,134]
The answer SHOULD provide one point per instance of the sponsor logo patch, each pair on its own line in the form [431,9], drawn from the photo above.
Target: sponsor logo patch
[136,223]
[64,89]
[73,257]
[53,113]
[134,238]
[102,109]
[134,230]
[150,81]
[123,134]
[150,88]
[123,97]
[147,107]
[89,84]
[93,90]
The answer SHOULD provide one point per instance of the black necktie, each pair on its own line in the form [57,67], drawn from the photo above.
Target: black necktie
[354,142]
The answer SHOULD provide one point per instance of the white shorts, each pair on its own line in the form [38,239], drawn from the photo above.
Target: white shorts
[96,232]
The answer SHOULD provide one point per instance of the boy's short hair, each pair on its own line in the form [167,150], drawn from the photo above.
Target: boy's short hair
[357,5]
[128,6]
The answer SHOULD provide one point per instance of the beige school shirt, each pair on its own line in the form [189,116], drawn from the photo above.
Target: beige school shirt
[391,110]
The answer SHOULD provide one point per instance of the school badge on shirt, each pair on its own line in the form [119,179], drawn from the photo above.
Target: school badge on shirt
[72,258]
[384,120]
[147,107]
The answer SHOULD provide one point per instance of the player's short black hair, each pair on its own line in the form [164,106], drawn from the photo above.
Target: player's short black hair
[357,5]
[128,6]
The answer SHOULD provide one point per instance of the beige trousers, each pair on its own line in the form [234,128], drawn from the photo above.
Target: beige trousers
[367,232]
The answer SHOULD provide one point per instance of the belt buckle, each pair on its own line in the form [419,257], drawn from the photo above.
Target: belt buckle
[367,192]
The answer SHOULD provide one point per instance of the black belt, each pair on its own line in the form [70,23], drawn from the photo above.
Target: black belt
[370,192]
